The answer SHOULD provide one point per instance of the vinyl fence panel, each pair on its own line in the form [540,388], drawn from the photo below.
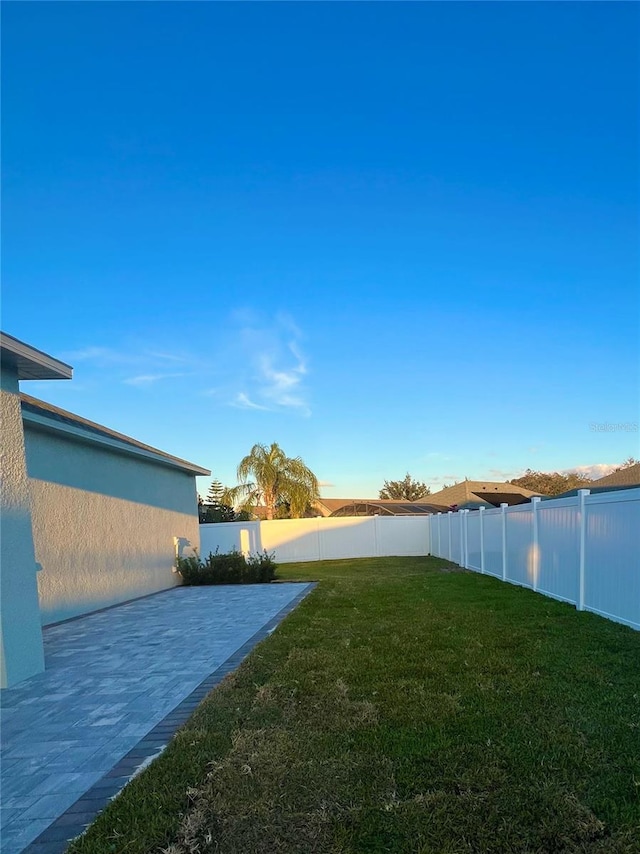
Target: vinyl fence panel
[612,563]
[292,540]
[583,549]
[493,542]
[521,553]
[226,536]
[559,549]
[333,538]
[456,524]
[474,541]
[402,535]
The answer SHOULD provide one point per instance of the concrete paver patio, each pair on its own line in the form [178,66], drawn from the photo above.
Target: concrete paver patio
[116,686]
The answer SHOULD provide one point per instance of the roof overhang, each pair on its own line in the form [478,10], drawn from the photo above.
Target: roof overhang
[29,363]
[42,416]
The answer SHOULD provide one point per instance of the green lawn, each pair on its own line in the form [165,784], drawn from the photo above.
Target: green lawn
[405,706]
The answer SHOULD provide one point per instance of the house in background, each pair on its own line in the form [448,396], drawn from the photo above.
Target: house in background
[90,517]
[467,494]
[625,478]
[473,494]
[386,507]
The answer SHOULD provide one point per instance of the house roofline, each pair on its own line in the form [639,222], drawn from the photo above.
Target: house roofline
[50,418]
[30,363]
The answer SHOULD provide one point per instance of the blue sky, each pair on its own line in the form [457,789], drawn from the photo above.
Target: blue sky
[390,237]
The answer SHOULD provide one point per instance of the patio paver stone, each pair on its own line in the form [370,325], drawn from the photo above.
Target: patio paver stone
[117,685]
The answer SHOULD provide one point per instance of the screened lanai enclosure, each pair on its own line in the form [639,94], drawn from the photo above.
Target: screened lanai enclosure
[388,508]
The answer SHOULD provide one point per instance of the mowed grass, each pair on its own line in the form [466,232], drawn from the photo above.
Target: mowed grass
[404,706]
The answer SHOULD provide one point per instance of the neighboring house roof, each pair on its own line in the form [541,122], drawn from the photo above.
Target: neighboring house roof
[469,493]
[387,507]
[326,506]
[629,476]
[495,499]
[480,492]
[46,416]
[31,364]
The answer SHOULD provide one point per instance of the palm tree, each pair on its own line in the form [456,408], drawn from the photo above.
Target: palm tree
[276,478]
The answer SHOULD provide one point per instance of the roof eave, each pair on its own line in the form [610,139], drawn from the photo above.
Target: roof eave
[41,422]
[31,364]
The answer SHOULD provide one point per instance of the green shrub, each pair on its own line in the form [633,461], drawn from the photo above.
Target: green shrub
[189,568]
[224,568]
[261,566]
[227,568]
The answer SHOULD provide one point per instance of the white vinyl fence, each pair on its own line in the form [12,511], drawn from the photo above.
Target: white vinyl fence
[331,538]
[583,550]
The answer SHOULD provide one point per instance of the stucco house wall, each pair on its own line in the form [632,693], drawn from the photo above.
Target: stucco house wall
[104,522]
[21,652]
[89,517]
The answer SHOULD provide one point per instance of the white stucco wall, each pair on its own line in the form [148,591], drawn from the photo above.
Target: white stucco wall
[103,523]
[21,652]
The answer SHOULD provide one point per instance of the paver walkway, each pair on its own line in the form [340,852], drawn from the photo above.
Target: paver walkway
[111,679]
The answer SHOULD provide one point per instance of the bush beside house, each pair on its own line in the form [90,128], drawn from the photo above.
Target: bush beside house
[230,568]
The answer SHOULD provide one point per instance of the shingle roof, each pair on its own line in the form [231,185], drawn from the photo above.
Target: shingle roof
[55,416]
[331,504]
[629,476]
[476,490]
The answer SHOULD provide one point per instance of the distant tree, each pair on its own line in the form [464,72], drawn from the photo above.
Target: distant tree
[407,489]
[216,491]
[277,478]
[630,461]
[214,508]
[551,483]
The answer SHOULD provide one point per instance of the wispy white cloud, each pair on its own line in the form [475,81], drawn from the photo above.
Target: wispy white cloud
[271,368]
[100,355]
[170,357]
[282,386]
[132,355]
[594,471]
[242,401]
[136,364]
[150,379]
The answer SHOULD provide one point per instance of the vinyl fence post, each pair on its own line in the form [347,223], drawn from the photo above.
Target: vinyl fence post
[482,540]
[449,515]
[503,507]
[439,543]
[465,528]
[582,494]
[535,549]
